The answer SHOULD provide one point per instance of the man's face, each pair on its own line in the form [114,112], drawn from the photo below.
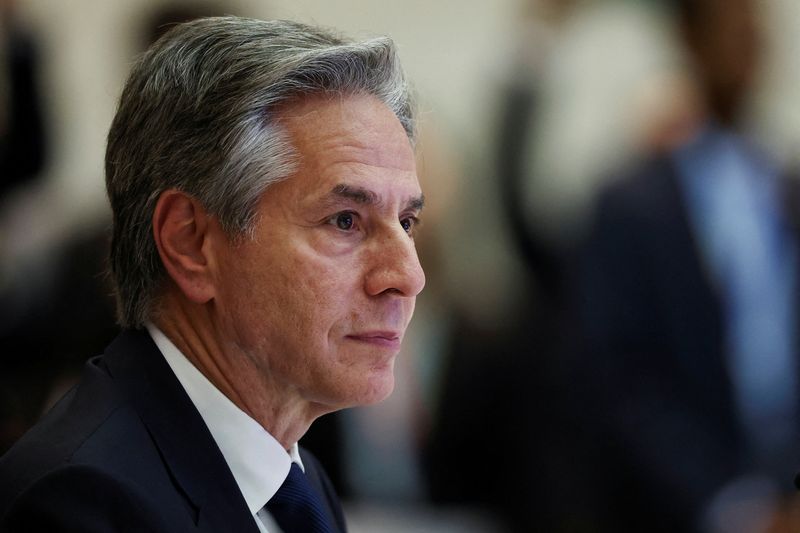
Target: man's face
[320,298]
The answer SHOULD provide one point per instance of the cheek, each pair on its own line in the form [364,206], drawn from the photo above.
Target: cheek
[308,296]
[311,285]
[292,299]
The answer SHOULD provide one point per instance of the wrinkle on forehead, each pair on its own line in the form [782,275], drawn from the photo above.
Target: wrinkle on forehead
[353,141]
[357,121]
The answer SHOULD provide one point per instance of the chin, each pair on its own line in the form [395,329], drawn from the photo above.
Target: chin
[354,386]
[375,390]
[381,393]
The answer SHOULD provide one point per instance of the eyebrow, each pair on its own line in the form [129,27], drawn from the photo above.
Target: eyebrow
[361,195]
[357,194]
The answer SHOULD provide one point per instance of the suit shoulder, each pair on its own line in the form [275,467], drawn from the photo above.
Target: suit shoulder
[114,479]
[81,498]
[640,184]
[93,426]
[644,196]
[54,440]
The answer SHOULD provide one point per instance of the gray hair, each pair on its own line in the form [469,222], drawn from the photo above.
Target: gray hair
[198,113]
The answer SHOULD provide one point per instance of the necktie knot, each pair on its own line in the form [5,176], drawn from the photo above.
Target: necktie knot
[297,508]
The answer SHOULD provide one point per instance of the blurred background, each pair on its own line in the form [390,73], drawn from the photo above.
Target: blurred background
[608,339]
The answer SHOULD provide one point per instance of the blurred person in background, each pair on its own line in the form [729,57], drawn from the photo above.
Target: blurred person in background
[265,201]
[22,131]
[24,378]
[55,300]
[507,372]
[686,300]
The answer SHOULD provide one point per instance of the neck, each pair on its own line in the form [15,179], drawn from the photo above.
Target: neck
[245,379]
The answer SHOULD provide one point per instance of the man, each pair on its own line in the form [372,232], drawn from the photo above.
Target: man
[687,295]
[263,186]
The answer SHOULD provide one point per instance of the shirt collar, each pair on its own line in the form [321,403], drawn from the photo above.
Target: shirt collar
[258,462]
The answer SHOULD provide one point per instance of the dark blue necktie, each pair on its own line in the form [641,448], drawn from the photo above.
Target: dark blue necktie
[297,508]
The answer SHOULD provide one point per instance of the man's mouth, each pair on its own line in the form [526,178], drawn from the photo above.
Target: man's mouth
[383,339]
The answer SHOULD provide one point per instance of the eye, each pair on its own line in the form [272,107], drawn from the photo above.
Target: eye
[408,224]
[345,221]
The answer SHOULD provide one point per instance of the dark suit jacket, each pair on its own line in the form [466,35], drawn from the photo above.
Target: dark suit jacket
[126,450]
[653,362]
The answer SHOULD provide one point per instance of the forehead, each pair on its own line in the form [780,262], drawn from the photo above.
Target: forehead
[359,129]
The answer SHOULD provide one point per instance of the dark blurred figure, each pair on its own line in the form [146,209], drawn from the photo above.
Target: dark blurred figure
[50,314]
[22,138]
[22,157]
[501,439]
[56,308]
[686,299]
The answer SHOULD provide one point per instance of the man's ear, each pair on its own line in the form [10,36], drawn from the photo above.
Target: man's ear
[181,228]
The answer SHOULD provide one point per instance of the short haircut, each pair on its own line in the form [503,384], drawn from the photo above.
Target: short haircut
[198,113]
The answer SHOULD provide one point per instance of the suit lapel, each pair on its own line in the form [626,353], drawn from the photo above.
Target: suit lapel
[790,196]
[686,282]
[186,446]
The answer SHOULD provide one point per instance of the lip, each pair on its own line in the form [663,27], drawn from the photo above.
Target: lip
[383,339]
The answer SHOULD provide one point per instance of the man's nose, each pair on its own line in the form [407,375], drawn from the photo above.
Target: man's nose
[395,266]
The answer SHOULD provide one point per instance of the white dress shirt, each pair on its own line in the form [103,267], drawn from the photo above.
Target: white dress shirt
[258,462]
